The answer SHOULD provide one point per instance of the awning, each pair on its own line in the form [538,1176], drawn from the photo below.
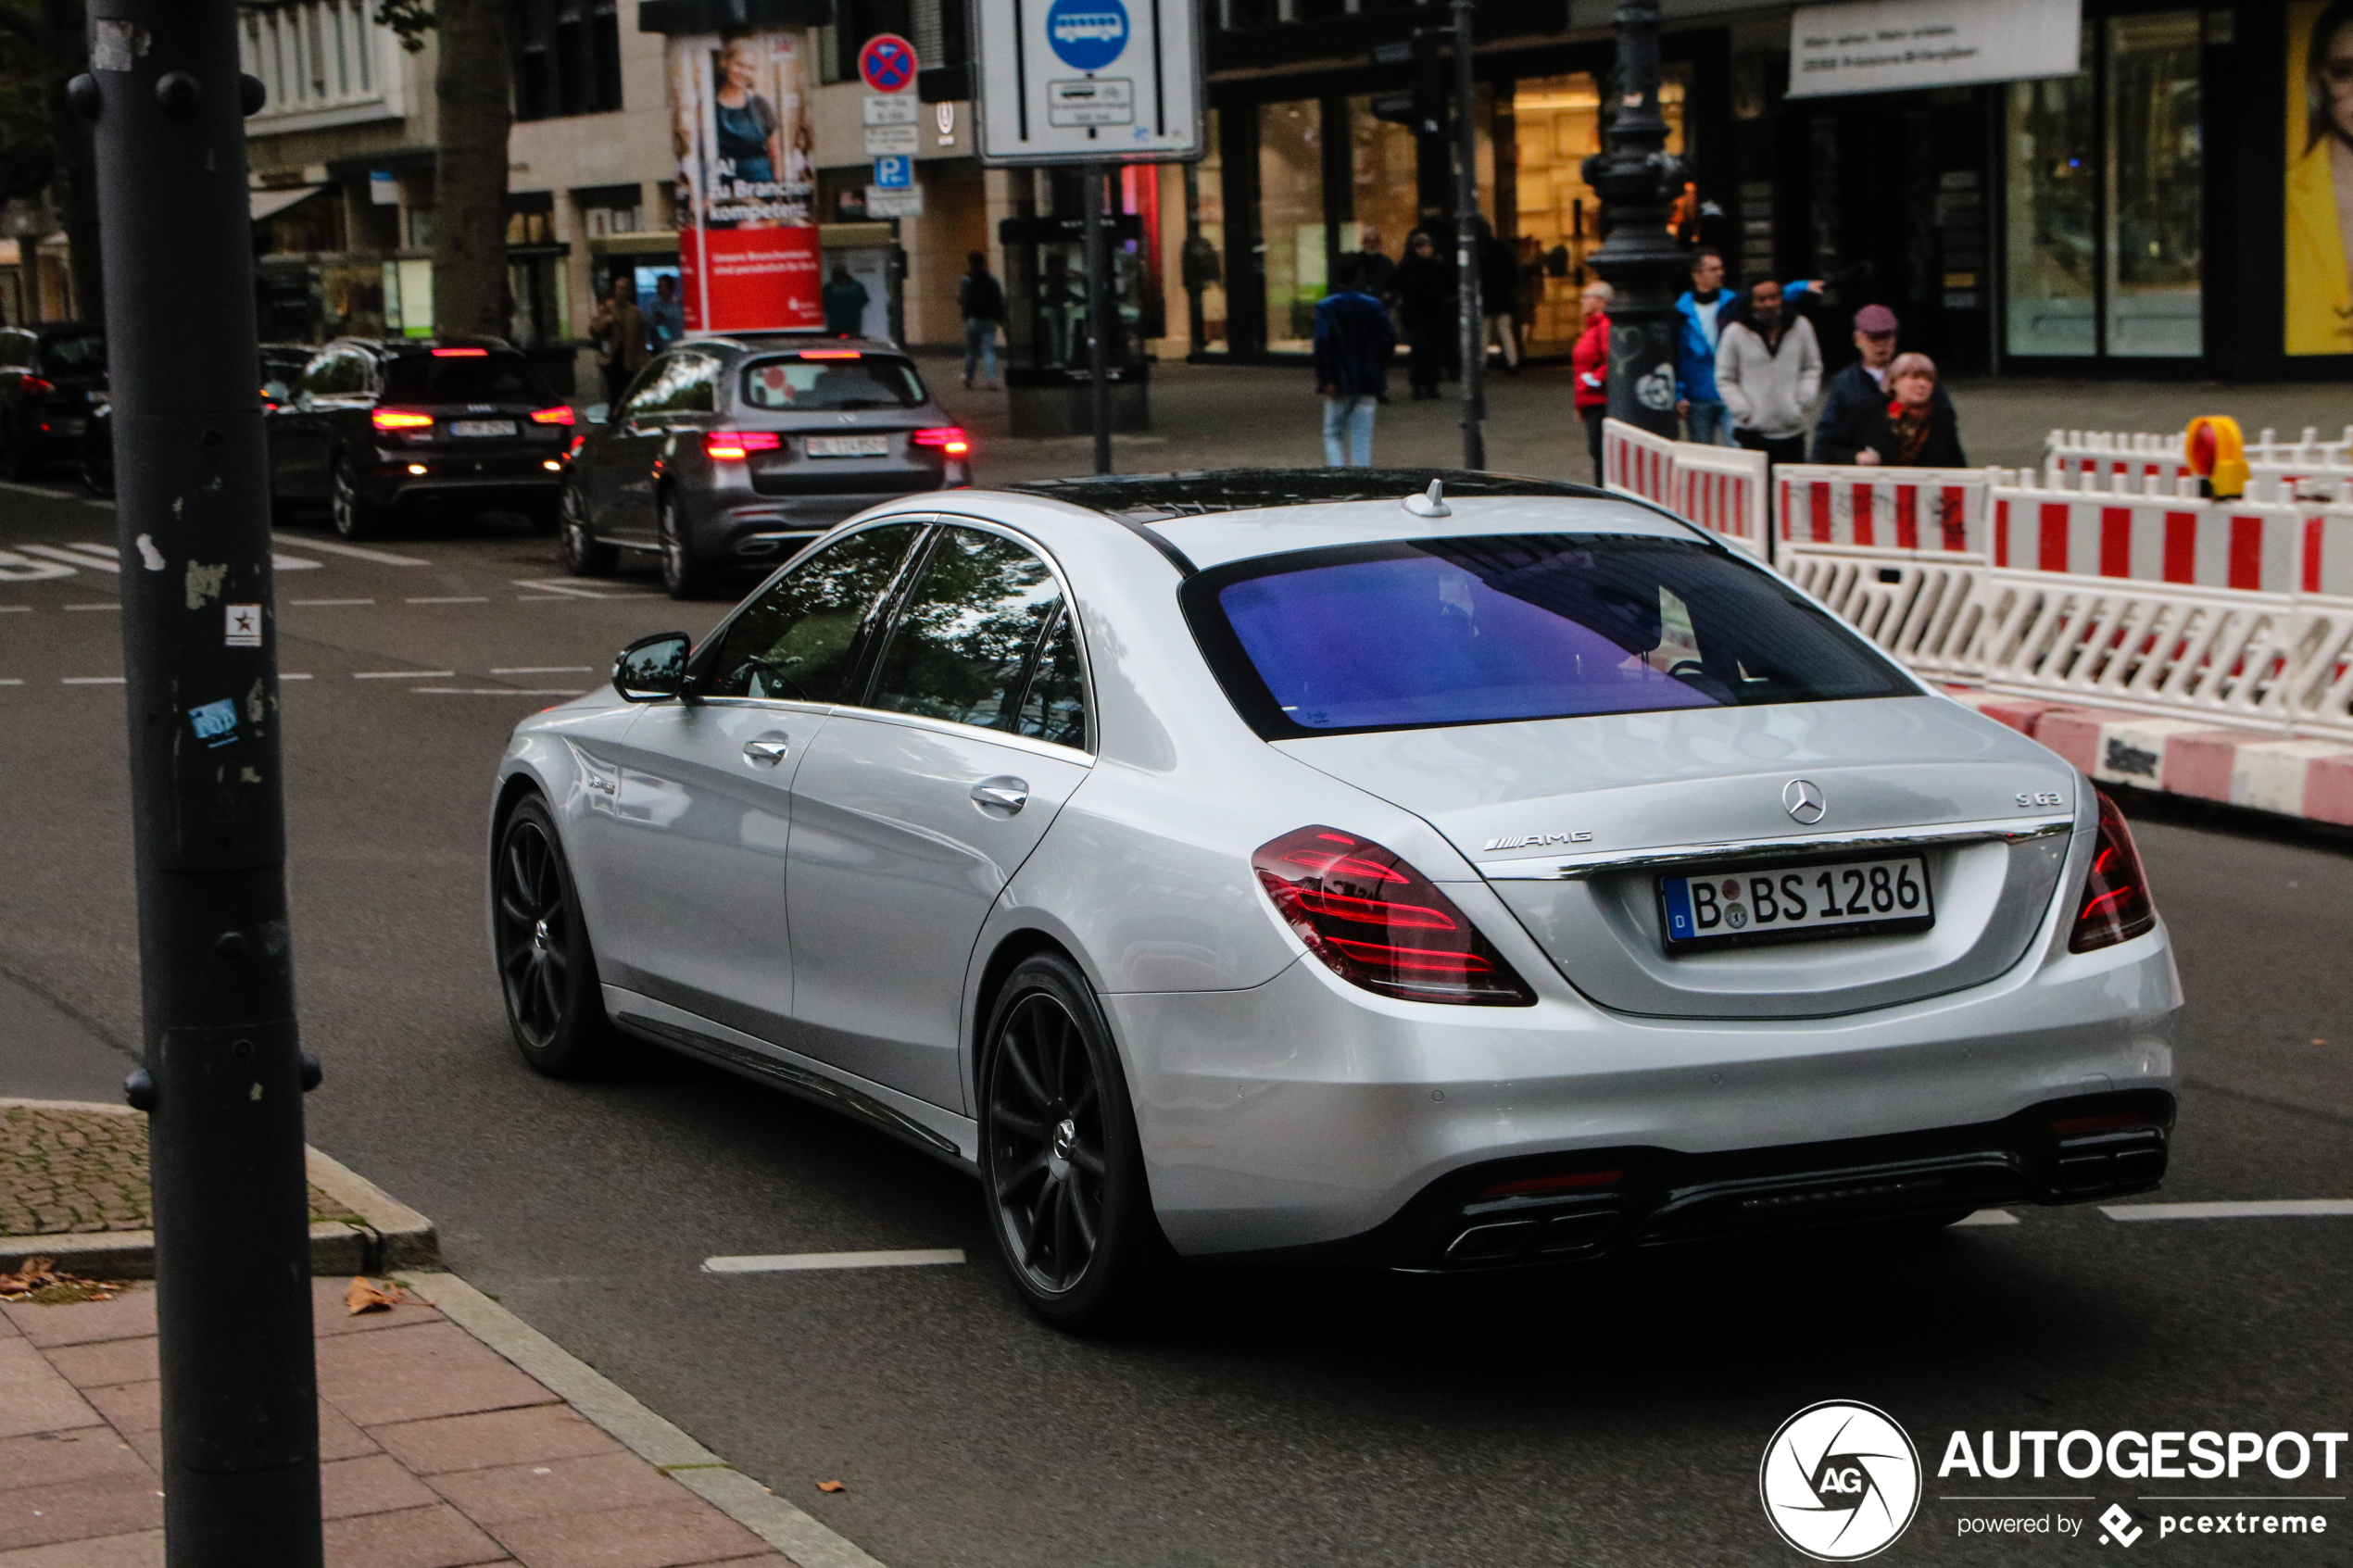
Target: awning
[269,204]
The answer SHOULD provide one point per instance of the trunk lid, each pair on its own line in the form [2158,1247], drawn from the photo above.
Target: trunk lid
[1572,821]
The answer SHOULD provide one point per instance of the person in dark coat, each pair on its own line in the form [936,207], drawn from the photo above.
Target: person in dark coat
[844,298]
[1424,285]
[1848,396]
[1353,346]
[1499,296]
[1910,427]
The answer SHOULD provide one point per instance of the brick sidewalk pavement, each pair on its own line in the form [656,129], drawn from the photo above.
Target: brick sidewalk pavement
[437,1451]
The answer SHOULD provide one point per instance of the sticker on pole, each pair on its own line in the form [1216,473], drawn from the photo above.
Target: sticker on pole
[1087,34]
[888,63]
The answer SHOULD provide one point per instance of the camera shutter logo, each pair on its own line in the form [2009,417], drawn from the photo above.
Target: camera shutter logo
[1841,1481]
[2120,1525]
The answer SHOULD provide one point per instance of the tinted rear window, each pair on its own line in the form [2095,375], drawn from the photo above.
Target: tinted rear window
[1436,632]
[493,378]
[797,385]
[75,355]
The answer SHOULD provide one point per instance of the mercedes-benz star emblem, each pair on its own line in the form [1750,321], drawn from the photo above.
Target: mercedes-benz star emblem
[1804,798]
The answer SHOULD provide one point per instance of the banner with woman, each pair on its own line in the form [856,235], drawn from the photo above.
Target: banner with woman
[747,254]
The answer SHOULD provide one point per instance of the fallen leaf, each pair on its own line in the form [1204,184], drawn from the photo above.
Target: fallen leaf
[39,1280]
[2320,1041]
[365,1296]
[831,1486]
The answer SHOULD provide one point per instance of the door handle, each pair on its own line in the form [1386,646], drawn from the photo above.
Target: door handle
[1006,795]
[768,750]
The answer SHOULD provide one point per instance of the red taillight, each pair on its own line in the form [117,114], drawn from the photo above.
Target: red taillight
[732,445]
[1568,1183]
[1378,923]
[832,354]
[2116,905]
[37,386]
[399,419]
[559,415]
[462,354]
[947,438]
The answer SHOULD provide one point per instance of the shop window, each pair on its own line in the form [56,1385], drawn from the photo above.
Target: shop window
[1291,216]
[1382,176]
[2156,178]
[567,58]
[2054,217]
[1204,264]
[1558,123]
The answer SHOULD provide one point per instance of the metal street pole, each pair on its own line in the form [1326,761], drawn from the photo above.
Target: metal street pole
[1474,323]
[224,1075]
[1637,180]
[1098,313]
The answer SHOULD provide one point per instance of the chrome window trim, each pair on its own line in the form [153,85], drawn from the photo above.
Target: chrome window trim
[969,732]
[1576,868]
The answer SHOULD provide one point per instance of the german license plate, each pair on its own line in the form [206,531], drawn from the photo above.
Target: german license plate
[482,427]
[850,446]
[1736,908]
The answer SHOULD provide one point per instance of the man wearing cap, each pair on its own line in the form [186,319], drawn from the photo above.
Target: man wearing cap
[1858,386]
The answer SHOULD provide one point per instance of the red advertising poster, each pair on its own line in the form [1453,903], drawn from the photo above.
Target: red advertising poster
[748,257]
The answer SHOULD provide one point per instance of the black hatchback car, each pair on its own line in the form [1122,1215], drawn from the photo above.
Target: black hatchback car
[50,379]
[374,424]
[736,450]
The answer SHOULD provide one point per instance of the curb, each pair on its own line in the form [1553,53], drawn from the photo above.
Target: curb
[2306,780]
[808,1542]
[390,1234]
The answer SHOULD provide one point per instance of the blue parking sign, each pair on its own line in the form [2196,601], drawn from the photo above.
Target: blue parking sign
[894,171]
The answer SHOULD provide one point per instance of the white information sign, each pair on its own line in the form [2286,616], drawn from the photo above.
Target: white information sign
[883,203]
[1074,81]
[1891,46]
[887,108]
[883,140]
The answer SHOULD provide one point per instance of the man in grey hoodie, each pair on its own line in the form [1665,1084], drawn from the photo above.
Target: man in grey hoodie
[1769,368]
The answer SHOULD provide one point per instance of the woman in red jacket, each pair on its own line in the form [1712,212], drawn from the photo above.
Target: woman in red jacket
[1589,360]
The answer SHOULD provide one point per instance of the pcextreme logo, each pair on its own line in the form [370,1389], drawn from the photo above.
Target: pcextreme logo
[1841,1481]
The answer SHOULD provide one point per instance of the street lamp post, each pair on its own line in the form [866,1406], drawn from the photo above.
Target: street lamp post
[1637,180]
[224,1077]
[1474,321]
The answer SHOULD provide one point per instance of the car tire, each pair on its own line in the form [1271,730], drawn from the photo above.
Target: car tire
[17,461]
[98,468]
[354,517]
[683,576]
[546,964]
[583,552]
[1062,1169]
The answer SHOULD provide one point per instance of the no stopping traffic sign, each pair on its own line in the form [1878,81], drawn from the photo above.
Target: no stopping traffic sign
[888,63]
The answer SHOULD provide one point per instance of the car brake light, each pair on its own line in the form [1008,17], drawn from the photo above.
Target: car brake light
[462,354]
[947,438]
[731,445]
[398,419]
[37,386]
[559,415]
[1378,923]
[832,354]
[2116,905]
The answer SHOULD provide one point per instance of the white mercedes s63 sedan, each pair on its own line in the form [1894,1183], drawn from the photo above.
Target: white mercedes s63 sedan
[1333,867]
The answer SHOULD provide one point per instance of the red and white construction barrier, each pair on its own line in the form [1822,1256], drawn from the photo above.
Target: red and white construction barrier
[2203,544]
[1639,463]
[1935,509]
[1721,488]
[2071,454]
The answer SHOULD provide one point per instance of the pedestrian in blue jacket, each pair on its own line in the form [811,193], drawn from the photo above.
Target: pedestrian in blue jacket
[1353,344]
[1701,307]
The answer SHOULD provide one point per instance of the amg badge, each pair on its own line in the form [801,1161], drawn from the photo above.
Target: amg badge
[1537,840]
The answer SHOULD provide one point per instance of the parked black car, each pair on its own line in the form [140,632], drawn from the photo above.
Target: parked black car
[48,375]
[282,365]
[374,424]
[736,450]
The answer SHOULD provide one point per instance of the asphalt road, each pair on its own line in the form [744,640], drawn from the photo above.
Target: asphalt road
[1611,1415]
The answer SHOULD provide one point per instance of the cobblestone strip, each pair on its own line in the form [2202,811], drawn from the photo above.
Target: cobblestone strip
[67,1171]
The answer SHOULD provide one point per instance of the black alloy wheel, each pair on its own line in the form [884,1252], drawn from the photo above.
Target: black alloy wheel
[1062,1171]
[354,517]
[681,575]
[546,968]
[98,463]
[583,554]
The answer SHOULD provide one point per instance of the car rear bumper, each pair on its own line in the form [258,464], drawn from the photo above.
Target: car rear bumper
[735,525]
[1306,1117]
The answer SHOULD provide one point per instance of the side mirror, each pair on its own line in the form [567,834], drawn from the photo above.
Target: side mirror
[597,413]
[651,667]
[276,391]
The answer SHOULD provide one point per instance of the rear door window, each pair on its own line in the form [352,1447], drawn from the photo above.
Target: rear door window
[964,642]
[797,641]
[840,380]
[1436,632]
[677,383]
[489,378]
[79,356]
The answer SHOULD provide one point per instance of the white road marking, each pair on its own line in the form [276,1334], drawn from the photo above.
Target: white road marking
[94,607]
[293,563]
[793,1261]
[546,670]
[90,680]
[331,601]
[15,609]
[33,490]
[11,682]
[286,677]
[402,674]
[92,501]
[2270,1208]
[501,691]
[451,599]
[1989,1217]
[381,558]
[574,590]
[73,557]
